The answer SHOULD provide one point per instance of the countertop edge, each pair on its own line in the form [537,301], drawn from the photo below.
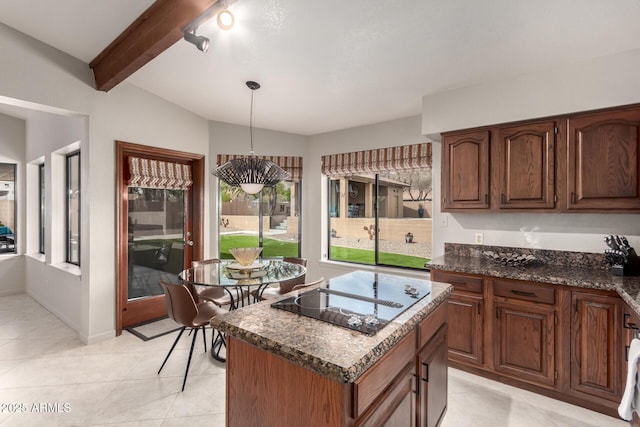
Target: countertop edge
[625,286]
[405,323]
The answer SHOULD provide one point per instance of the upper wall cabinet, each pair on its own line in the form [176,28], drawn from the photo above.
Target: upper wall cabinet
[603,161]
[526,156]
[465,171]
[579,162]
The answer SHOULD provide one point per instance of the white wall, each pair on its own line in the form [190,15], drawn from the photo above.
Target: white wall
[37,76]
[597,83]
[12,141]
[58,288]
[387,134]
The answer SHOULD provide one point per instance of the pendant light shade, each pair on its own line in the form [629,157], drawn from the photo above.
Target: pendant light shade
[251,173]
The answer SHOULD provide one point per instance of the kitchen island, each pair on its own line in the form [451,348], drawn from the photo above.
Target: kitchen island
[287,369]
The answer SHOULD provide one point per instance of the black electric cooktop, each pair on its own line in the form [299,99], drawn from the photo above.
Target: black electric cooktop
[362,301]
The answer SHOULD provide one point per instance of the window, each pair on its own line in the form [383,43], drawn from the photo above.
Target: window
[270,219]
[41,205]
[73,208]
[378,206]
[7,208]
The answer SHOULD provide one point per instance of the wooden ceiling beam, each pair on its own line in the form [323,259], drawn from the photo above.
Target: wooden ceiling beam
[158,28]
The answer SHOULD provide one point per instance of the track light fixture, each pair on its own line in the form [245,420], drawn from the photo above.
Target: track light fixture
[201,42]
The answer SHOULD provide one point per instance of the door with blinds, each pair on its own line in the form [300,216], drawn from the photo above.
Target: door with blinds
[160,223]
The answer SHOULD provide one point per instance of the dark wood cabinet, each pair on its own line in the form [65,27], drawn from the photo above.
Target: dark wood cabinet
[597,364]
[526,162]
[524,331]
[432,377]
[465,170]
[564,342]
[466,317]
[398,408]
[524,342]
[603,161]
[582,162]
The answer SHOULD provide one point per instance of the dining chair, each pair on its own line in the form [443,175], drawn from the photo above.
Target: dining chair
[271,292]
[220,296]
[183,309]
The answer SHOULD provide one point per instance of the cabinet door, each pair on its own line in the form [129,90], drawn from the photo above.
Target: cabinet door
[465,171]
[603,163]
[465,328]
[524,337]
[596,347]
[526,166]
[432,368]
[398,408]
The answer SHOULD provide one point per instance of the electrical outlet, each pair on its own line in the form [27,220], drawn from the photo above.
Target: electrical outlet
[479,238]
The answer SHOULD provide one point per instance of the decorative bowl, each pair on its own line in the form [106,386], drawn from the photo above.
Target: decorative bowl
[509,258]
[245,256]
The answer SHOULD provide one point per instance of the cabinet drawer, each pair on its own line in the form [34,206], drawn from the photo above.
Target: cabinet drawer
[525,291]
[377,378]
[460,282]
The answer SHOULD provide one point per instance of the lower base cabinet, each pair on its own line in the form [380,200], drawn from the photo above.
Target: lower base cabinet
[432,379]
[597,349]
[524,345]
[565,342]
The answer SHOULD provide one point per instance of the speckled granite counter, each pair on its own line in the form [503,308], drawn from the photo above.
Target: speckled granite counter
[578,269]
[338,353]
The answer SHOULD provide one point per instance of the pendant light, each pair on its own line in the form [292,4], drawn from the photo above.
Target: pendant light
[251,173]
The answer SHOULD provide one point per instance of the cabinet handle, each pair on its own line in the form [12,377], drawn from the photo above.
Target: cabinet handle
[486,199]
[627,324]
[626,353]
[523,293]
[497,313]
[504,199]
[416,385]
[426,372]
[573,198]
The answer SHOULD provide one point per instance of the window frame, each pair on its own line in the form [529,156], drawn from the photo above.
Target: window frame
[376,223]
[41,210]
[15,207]
[260,216]
[68,191]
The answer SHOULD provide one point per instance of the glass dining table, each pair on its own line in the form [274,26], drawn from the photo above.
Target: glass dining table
[227,273]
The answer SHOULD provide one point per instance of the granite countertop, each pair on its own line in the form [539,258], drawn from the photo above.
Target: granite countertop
[339,353]
[570,268]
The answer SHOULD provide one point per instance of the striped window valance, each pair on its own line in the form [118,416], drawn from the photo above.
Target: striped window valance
[158,174]
[293,165]
[404,157]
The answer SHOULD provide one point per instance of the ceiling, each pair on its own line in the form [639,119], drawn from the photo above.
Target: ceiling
[331,64]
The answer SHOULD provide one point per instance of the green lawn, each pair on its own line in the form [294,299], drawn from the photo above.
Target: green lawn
[338,253]
[271,247]
[364,256]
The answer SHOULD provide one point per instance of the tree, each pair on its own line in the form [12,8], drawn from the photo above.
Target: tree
[420,184]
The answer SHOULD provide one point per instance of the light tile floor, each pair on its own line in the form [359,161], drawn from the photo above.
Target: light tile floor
[115,382]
